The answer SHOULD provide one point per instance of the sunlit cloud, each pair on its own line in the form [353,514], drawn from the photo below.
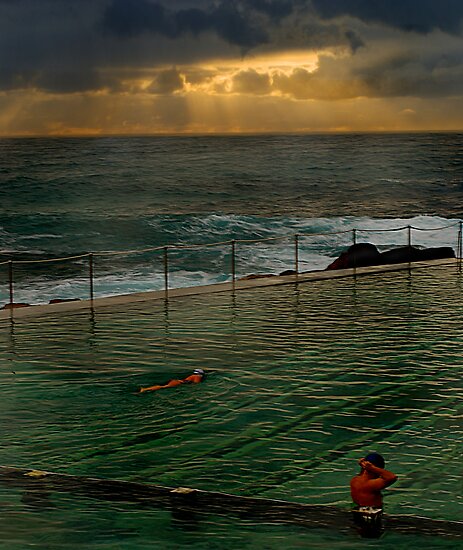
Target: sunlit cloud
[153,66]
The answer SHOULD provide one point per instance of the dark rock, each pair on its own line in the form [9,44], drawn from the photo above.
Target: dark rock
[15,305]
[255,276]
[439,253]
[400,255]
[366,254]
[357,255]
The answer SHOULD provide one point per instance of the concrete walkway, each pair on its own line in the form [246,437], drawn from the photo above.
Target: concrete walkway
[246,284]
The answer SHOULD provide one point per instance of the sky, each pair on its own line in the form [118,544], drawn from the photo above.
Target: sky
[98,67]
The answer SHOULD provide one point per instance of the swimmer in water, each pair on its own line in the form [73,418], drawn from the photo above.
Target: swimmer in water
[195,378]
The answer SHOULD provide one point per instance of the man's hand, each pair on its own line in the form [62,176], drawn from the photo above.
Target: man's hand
[365,464]
[386,475]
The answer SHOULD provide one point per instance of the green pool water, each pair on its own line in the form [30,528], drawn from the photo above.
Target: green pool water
[302,380]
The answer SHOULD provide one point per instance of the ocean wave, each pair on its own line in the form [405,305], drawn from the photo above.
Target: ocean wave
[62,198]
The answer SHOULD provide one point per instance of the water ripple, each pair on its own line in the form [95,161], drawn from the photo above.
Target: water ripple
[301,382]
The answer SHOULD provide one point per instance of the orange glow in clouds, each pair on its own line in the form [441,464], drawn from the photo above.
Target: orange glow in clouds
[293,91]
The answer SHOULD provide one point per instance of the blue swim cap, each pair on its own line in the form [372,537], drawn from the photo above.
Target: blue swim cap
[376,459]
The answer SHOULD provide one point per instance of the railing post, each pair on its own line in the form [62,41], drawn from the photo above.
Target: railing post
[354,240]
[166,271]
[296,253]
[233,261]
[10,280]
[460,245]
[90,274]
[409,236]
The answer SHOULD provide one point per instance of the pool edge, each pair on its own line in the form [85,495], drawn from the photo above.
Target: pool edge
[261,282]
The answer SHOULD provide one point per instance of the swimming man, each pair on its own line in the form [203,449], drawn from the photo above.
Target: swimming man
[195,378]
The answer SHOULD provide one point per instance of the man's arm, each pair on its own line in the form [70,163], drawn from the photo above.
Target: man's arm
[385,477]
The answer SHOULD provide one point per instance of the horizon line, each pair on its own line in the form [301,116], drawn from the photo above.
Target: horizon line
[226,134]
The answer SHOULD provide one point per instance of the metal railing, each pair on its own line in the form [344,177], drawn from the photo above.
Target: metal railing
[233,244]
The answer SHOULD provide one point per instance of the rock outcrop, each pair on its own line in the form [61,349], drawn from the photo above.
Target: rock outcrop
[366,254]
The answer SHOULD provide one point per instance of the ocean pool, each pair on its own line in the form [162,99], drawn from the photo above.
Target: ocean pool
[302,381]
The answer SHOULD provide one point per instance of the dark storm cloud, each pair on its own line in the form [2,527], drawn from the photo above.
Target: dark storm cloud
[58,46]
[406,75]
[68,81]
[321,36]
[420,16]
[129,18]
[48,45]
[355,42]
[66,46]
[276,9]
[166,82]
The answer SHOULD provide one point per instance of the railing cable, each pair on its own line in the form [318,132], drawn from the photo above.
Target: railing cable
[233,242]
[228,242]
[49,260]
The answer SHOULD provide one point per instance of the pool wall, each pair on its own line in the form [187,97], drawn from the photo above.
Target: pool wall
[242,284]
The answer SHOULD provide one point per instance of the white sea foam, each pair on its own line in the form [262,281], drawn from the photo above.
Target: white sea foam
[213,264]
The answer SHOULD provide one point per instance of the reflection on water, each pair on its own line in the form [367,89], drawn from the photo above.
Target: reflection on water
[302,380]
[85,523]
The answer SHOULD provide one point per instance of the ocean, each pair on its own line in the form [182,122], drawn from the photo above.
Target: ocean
[65,197]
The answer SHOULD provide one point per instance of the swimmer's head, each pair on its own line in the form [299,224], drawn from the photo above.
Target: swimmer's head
[376,459]
[199,371]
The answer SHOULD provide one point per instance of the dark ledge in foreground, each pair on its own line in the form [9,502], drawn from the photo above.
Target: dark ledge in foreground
[185,503]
